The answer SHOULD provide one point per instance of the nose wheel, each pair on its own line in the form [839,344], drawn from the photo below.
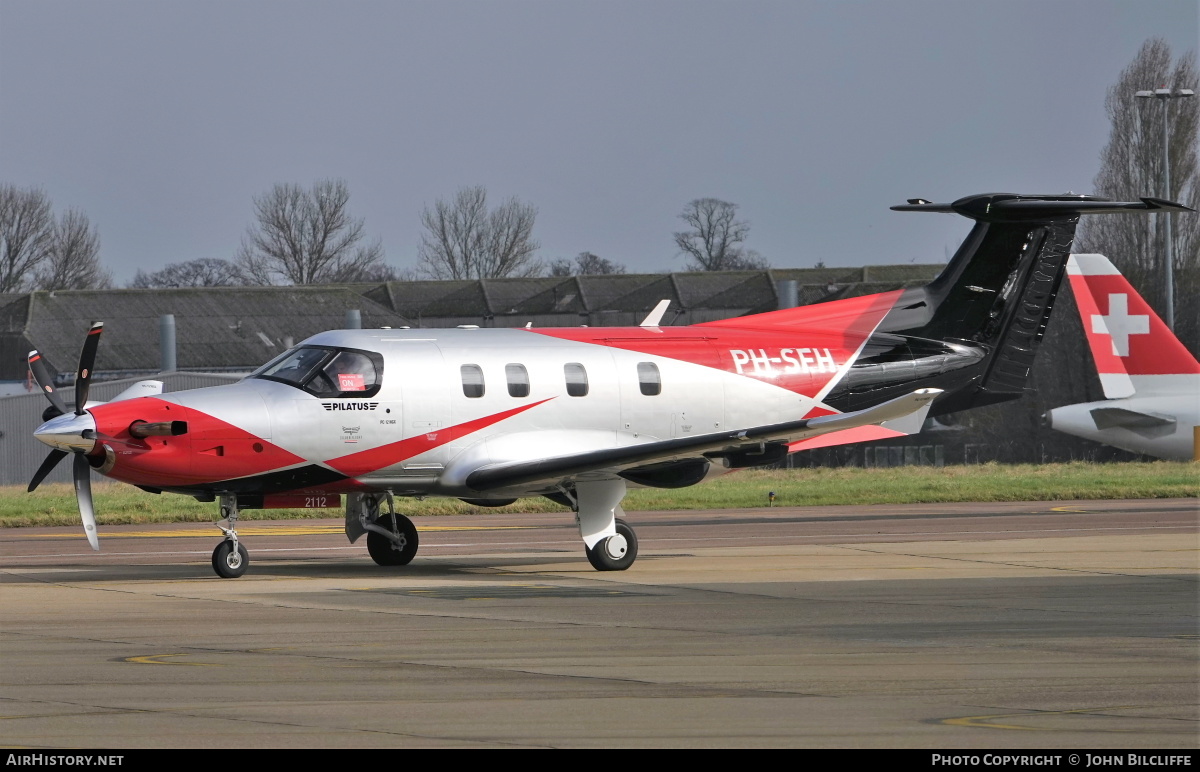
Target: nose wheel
[229,560]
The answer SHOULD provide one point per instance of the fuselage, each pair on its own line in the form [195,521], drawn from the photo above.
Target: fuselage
[441,403]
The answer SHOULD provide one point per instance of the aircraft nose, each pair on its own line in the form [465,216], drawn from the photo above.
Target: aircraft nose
[69,432]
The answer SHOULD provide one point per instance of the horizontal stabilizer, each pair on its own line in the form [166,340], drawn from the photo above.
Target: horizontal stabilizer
[1010,207]
[1113,417]
[898,427]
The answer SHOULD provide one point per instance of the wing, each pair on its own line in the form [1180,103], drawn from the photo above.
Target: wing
[908,410]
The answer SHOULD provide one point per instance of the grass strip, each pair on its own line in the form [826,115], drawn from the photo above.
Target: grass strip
[118,504]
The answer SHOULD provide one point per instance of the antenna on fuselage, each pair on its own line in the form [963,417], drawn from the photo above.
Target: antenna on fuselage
[655,316]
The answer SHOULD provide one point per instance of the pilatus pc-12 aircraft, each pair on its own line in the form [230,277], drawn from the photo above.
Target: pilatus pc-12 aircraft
[578,414]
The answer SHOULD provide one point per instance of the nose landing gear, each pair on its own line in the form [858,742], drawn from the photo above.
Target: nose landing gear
[230,559]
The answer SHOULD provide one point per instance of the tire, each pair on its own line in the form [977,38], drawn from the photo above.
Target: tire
[600,558]
[383,551]
[229,564]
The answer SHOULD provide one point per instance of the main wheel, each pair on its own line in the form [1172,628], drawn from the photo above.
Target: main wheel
[616,553]
[384,551]
[230,563]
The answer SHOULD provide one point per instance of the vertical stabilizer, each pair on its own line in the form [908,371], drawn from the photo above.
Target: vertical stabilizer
[995,297]
[1132,347]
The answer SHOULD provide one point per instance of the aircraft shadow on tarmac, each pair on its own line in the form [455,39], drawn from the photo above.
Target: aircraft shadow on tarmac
[299,568]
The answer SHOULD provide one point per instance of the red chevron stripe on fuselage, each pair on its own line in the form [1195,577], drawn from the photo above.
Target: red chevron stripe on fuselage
[213,450]
[367,461]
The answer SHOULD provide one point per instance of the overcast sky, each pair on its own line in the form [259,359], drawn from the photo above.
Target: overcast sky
[162,120]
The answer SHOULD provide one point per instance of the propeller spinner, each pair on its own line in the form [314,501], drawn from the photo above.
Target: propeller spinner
[66,433]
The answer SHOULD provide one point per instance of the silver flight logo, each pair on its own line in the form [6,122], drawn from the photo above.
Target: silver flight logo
[349,405]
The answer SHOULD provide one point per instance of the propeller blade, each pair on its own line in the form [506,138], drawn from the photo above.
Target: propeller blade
[47,466]
[44,375]
[87,360]
[83,493]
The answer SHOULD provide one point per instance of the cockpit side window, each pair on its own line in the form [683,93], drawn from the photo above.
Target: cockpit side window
[351,371]
[296,367]
[327,372]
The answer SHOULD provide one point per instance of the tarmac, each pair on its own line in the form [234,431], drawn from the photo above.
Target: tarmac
[1068,625]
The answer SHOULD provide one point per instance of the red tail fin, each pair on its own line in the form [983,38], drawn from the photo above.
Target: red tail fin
[1125,335]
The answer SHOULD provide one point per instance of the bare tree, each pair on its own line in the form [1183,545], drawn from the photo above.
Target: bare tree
[72,261]
[714,238]
[1132,165]
[306,237]
[463,240]
[26,235]
[203,272]
[585,264]
[384,272]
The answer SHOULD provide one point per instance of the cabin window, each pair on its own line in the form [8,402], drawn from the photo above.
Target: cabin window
[472,380]
[577,382]
[649,379]
[518,380]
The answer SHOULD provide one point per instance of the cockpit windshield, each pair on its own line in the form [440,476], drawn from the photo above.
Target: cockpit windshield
[326,371]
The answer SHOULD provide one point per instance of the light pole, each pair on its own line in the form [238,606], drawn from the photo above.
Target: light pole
[1165,95]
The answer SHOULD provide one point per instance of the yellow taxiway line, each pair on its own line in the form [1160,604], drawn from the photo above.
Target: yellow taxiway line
[156,659]
[985,722]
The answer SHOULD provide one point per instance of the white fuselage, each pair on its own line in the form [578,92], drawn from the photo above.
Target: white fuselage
[423,405]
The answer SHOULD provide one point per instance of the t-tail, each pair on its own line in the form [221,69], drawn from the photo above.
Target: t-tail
[975,329]
[1132,347]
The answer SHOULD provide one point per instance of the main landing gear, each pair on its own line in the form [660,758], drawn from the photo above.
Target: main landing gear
[609,541]
[391,537]
[616,552]
[230,559]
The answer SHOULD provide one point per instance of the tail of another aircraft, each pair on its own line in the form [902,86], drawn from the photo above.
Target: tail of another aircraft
[1131,346]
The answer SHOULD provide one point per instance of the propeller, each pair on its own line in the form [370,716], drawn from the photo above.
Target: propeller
[74,434]
[47,467]
[44,375]
[87,358]
[83,494]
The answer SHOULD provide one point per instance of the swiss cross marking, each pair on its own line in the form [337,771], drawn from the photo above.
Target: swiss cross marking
[1119,324]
